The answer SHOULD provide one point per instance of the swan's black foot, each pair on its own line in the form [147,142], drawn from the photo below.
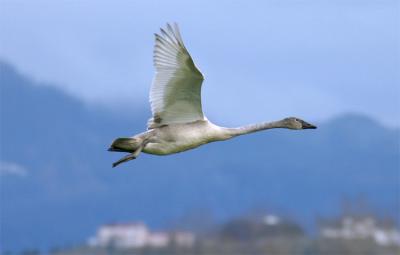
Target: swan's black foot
[116,150]
[125,144]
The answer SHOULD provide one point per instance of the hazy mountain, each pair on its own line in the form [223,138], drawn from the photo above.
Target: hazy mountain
[57,184]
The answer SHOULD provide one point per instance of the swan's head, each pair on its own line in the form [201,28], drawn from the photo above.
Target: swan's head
[296,123]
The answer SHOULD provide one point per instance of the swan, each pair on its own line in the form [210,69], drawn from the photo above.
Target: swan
[178,123]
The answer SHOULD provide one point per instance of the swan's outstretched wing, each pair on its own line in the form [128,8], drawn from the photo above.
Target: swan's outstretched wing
[175,94]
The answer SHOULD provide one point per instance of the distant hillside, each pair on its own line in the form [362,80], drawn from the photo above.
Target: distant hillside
[57,184]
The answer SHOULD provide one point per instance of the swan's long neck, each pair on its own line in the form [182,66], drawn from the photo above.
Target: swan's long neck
[255,128]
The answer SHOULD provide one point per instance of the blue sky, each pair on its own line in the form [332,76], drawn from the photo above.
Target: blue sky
[262,60]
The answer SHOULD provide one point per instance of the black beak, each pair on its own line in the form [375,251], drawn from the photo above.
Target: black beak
[306,125]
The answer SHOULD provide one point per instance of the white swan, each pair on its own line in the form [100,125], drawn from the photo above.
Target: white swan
[178,123]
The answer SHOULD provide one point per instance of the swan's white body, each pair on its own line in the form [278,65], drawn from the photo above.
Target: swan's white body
[181,137]
[178,123]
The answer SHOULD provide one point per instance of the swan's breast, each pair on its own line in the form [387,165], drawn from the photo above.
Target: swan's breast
[181,137]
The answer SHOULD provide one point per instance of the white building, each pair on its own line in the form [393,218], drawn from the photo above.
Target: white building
[121,235]
[158,239]
[137,235]
[361,228]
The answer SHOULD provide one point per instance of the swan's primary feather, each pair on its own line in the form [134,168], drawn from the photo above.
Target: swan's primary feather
[175,95]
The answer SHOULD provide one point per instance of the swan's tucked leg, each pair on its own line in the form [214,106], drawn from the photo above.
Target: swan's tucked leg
[128,157]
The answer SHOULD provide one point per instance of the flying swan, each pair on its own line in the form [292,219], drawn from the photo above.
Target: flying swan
[178,123]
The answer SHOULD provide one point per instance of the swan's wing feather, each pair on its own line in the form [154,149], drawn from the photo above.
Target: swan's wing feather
[175,95]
